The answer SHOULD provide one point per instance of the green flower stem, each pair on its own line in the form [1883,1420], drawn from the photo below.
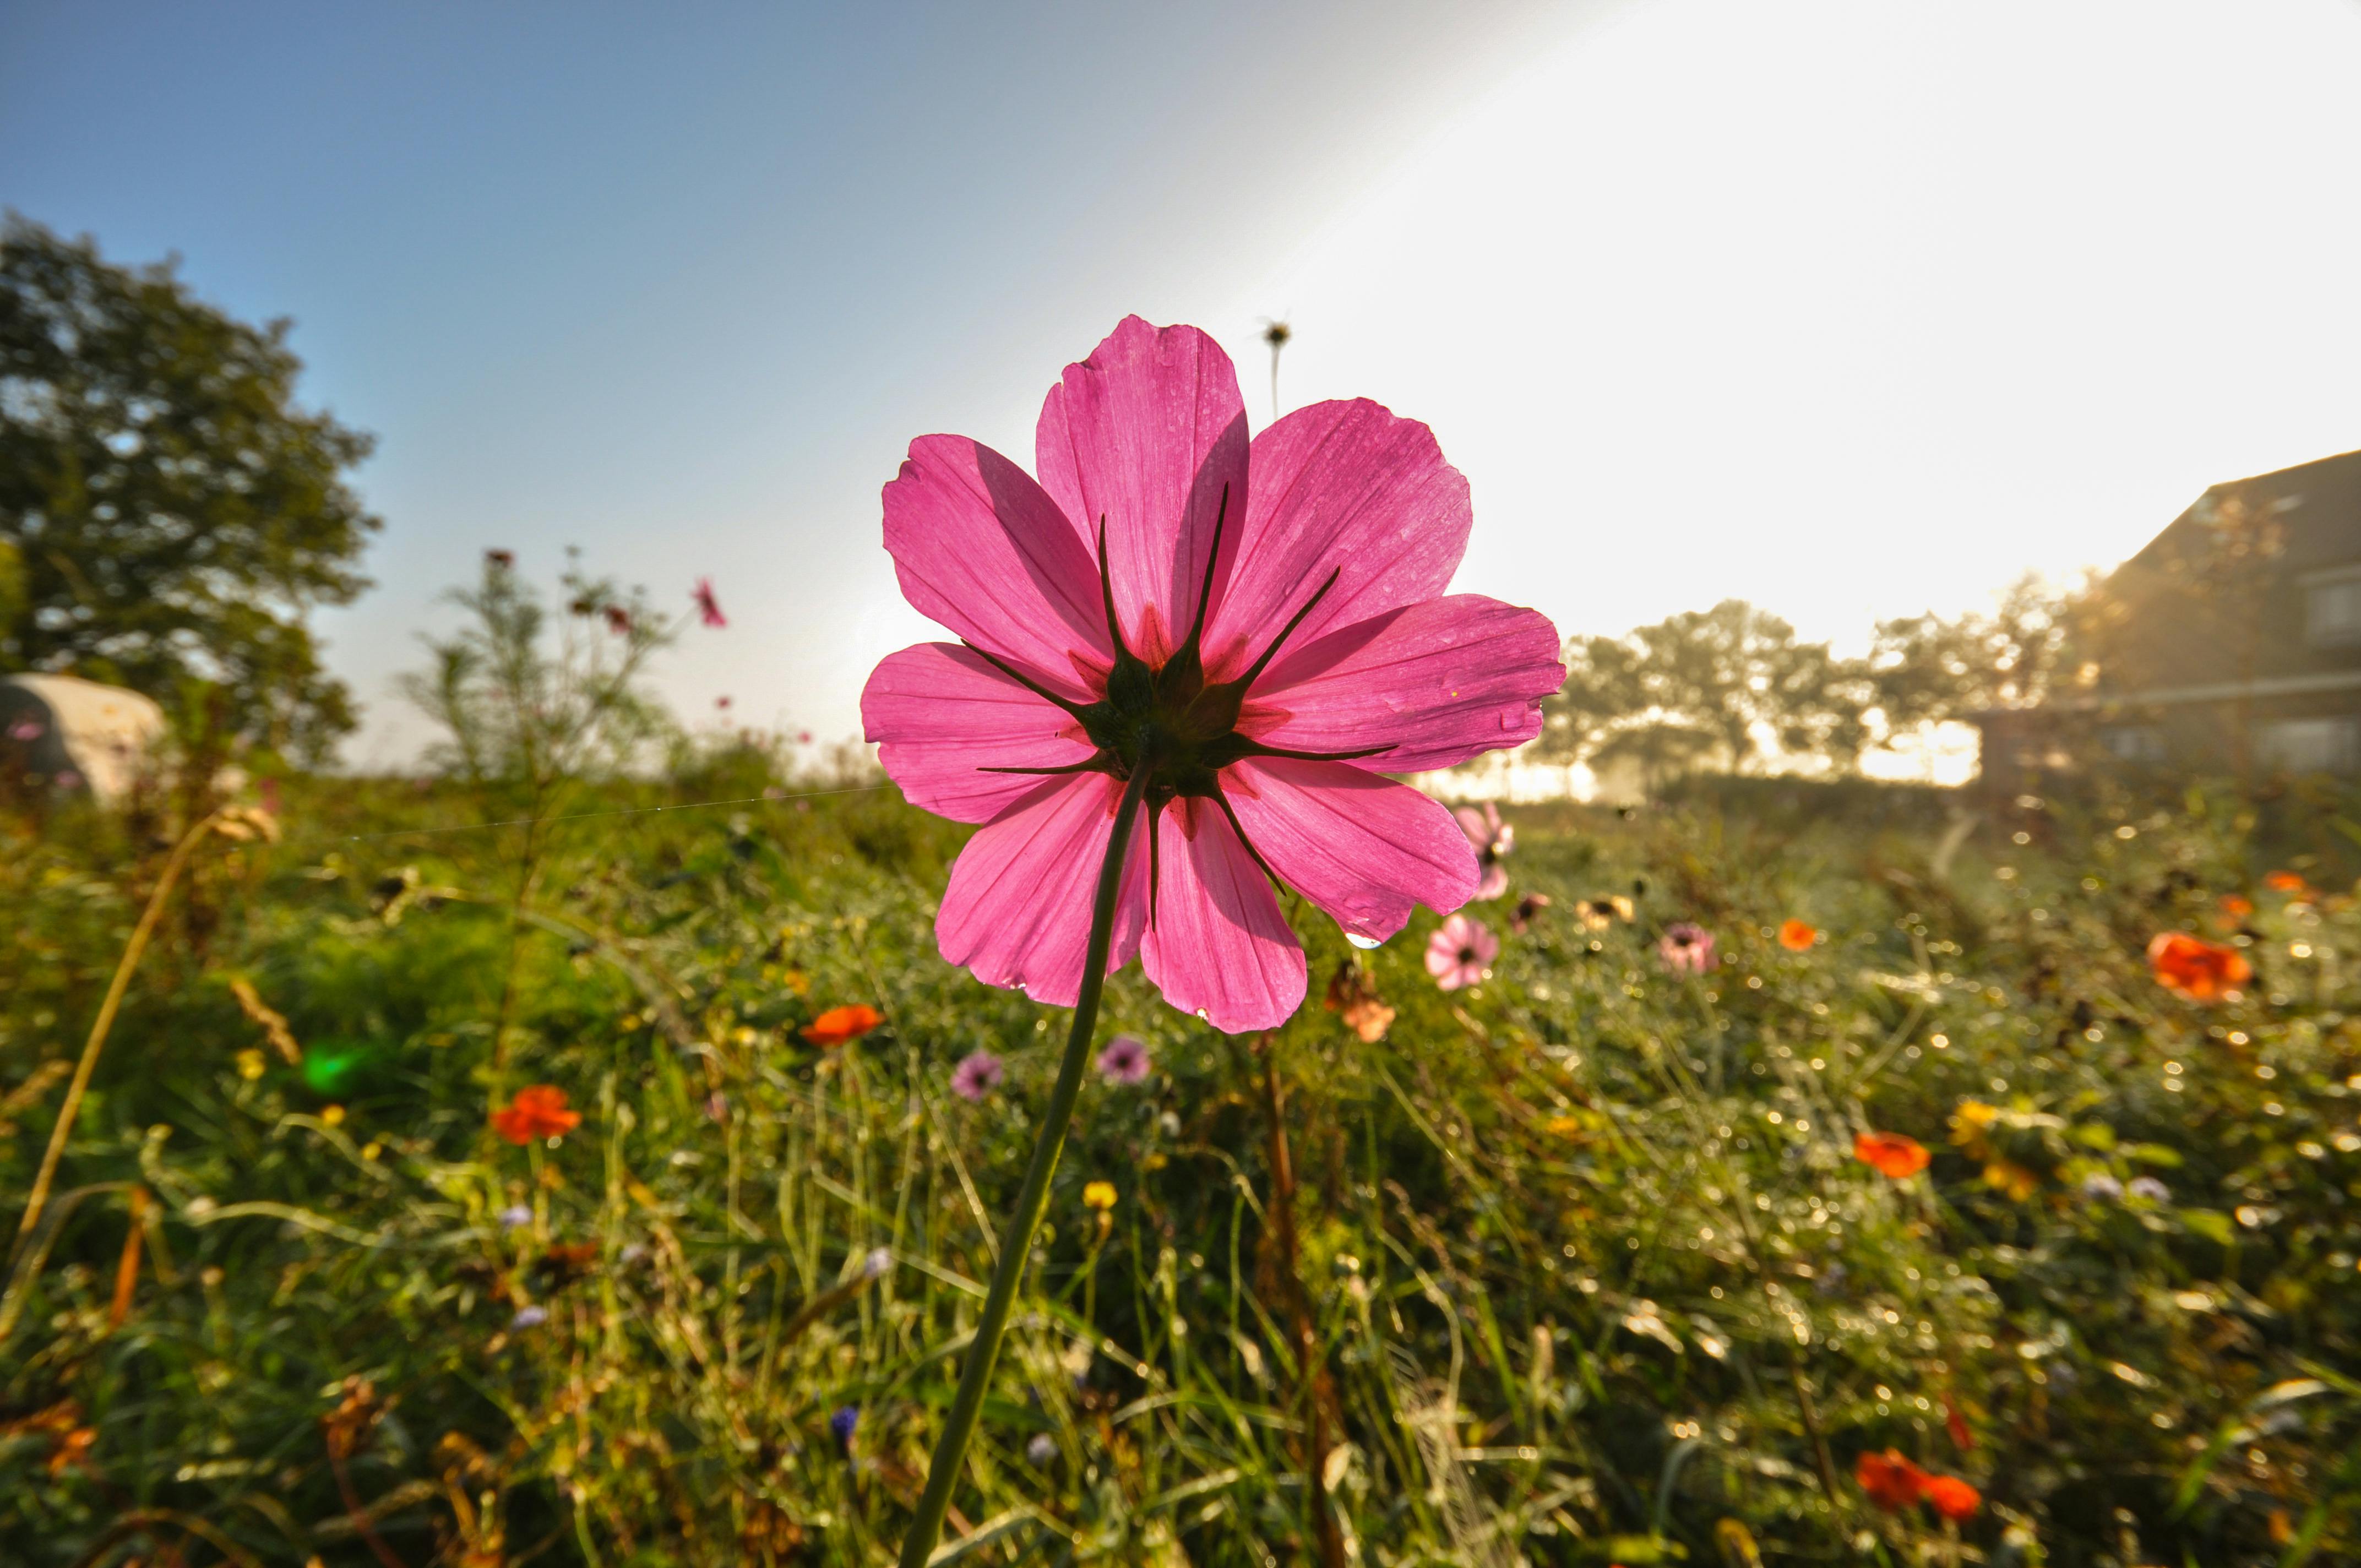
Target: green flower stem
[1016,1246]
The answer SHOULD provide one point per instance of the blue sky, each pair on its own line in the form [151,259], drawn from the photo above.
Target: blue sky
[1850,308]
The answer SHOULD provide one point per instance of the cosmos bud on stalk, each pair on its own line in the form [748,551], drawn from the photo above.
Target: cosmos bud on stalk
[1187,663]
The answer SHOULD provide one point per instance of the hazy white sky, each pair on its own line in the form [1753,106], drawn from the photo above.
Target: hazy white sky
[1851,308]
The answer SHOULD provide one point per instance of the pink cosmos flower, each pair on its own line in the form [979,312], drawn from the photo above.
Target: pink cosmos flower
[1492,839]
[977,1075]
[1461,952]
[1124,1061]
[1261,626]
[1685,948]
[709,608]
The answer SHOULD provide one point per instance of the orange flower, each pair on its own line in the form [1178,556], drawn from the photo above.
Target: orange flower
[1951,1497]
[2236,908]
[2286,881]
[536,1112]
[1890,1153]
[1891,1481]
[2195,968]
[1796,936]
[840,1025]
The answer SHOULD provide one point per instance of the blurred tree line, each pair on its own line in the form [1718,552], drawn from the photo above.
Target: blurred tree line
[1733,689]
[169,515]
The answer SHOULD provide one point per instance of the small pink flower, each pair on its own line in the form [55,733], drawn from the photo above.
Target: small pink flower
[977,1075]
[1261,624]
[1685,948]
[618,620]
[709,608]
[27,729]
[1125,1060]
[1461,952]
[1492,839]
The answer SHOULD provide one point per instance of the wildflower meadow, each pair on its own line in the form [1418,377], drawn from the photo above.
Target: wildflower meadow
[1126,1122]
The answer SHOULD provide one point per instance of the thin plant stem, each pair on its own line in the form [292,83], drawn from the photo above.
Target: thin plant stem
[1016,1244]
[67,1113]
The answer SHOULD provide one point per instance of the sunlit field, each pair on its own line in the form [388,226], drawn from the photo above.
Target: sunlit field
[472,1198]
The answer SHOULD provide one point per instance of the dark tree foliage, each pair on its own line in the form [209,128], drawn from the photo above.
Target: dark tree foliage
[172,513]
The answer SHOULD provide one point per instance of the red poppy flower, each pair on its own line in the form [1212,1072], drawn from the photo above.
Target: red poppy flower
[618,620]
[1796,936]
[1951,1497]
[1890,1481]
[536,1112]
[2197,969]
[839,1024]
[1958,1424]
[2286,882]
[1890,1153]
[2236,908]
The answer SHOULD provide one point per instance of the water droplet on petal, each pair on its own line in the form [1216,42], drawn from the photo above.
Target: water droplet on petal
[1203,1017]
[1364,943]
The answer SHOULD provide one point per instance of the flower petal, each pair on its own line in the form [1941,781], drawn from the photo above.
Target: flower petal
[940,715]
[1145,432]
[1018,911]
[1341,487]
[1218,947]
[1362,848]
[1436,684]
[980,548]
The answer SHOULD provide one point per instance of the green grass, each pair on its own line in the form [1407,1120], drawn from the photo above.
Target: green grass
[1570,1249]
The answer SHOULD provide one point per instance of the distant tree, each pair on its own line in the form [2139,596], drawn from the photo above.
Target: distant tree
[1728,686]
[174,515]
[1926,669]
[528,716]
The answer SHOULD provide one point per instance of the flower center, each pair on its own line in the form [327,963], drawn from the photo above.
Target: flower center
[1168,720]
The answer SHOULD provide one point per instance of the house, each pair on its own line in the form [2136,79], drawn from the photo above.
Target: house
[2231,644]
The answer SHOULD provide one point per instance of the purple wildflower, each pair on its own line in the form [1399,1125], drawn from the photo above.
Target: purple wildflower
[843,1421]
[977,1074]
[515,1217]
[1125,1060]
[2101,1187]
[528,1318]
[1685,948]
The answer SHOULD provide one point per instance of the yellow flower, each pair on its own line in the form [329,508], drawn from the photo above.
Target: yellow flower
[1099,1194]
[1968,1122]
[2012,1179]
[333,1117]
[249,1064]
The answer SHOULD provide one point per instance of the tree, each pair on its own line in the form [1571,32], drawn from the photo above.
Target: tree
[174,515]
[1927,670]
[1730,685]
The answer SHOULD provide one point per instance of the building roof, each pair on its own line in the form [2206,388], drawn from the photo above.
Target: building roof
[2219,597]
